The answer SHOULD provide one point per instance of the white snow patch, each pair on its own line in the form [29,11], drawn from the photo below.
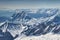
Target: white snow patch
[48,36]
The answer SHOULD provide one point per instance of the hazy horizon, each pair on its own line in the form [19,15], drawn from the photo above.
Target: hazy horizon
[29,4]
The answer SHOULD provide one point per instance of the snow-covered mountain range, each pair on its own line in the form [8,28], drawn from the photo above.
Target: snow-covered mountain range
[32,23]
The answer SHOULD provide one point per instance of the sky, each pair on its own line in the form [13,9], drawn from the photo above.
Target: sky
[32,4]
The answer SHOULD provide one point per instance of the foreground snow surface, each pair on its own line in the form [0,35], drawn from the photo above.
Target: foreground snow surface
[48,36]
